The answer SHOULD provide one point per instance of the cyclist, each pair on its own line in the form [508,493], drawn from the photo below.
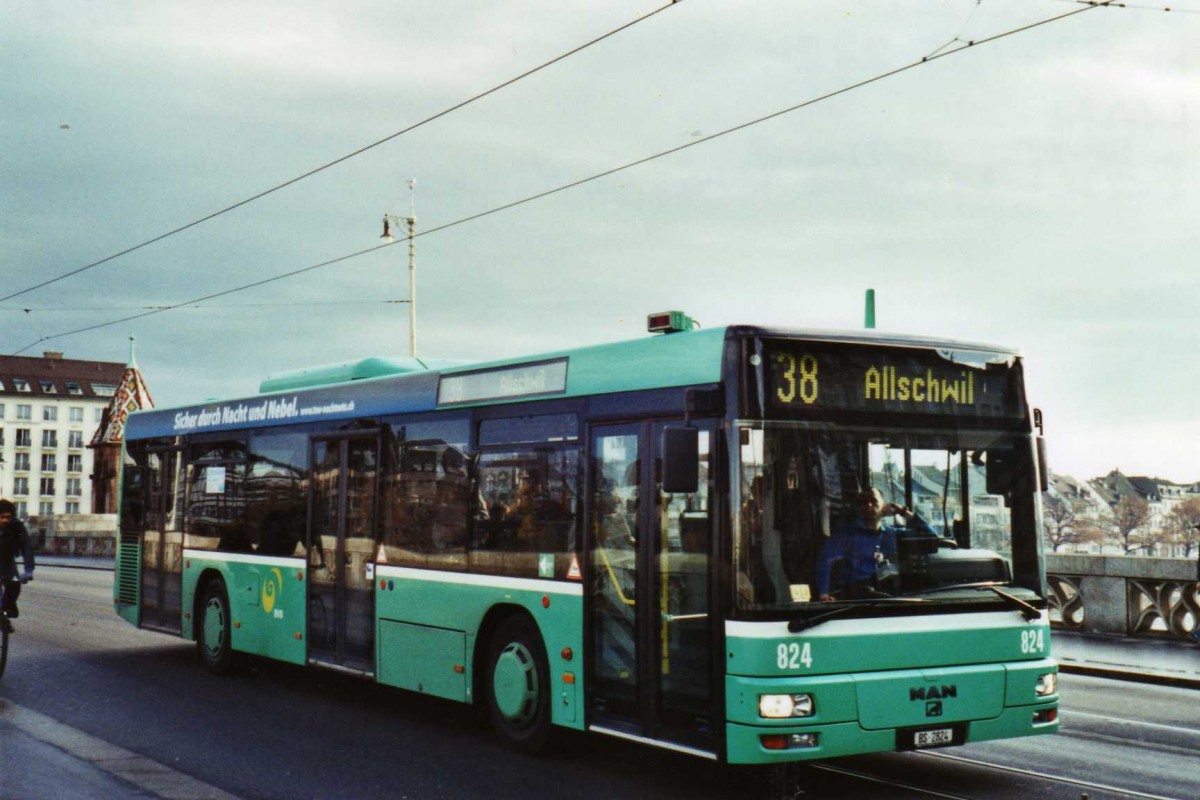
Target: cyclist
[13,537]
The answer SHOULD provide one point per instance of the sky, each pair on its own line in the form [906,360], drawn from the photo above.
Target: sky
[1038,190]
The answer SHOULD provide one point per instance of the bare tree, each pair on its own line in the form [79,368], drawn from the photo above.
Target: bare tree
[1066,524]
[1130,515]
[1183,525]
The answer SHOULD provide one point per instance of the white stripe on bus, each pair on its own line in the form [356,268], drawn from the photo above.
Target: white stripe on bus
[407,573]
[999,620]
[473,579]
[246,558]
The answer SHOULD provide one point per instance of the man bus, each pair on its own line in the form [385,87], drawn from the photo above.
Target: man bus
[622,539]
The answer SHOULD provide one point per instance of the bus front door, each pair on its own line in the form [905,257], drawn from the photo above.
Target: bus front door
[650,640]
[341,551]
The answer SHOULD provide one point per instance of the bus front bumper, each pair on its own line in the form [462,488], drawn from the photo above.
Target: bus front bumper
[755,744]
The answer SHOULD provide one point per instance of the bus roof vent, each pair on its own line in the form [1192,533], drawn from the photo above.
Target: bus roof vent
[347,371]
[669,322]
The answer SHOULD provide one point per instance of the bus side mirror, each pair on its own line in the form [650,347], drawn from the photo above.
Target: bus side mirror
[1043,465]
[680,460]
[1000,471]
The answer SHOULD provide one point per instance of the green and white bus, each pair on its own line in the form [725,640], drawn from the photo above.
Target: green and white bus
[625,539]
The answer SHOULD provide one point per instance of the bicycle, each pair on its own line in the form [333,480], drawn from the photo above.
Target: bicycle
[5,625]
[6,628]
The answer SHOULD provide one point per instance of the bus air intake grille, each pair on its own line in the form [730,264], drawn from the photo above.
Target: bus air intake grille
[129,560]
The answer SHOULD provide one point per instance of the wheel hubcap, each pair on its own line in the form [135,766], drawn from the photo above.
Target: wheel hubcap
[214,626]
[515,684]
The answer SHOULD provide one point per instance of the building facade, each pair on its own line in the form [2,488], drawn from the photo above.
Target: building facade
[1161,496]
[50,410]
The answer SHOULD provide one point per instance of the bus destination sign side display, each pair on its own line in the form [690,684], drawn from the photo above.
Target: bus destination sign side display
[504,383]
[819,377]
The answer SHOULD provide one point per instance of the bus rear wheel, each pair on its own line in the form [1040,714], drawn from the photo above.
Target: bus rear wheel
[518,686]
[212,639]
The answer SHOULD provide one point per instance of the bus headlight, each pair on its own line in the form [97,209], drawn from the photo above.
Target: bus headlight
[1047,684]
[784,706]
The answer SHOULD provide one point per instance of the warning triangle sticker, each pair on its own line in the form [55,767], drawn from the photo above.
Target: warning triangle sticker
[573,573]
[381,556]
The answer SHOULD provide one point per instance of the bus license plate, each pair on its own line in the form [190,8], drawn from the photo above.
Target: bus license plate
[933,738]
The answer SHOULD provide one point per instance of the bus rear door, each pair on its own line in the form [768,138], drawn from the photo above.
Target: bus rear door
[162,543]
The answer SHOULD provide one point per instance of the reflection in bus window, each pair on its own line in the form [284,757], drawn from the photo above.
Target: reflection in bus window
[248,498]
[216,498]
[276,493]
[529,507]
[427,511]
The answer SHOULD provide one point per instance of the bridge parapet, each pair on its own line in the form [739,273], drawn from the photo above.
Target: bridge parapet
[1126,595]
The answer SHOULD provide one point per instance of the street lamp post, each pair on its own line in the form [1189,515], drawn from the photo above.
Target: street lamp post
[411,223]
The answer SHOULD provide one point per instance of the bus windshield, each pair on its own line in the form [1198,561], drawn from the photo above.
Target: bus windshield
[837,515]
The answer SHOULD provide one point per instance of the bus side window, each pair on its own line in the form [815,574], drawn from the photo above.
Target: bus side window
[528,507]
[425,506]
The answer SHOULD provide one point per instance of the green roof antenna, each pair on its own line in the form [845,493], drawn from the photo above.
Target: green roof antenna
[869,322]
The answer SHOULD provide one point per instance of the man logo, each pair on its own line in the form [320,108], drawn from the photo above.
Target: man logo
[932,695]
[932,692]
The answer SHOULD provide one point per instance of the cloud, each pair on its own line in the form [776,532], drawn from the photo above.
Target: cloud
[1040,190]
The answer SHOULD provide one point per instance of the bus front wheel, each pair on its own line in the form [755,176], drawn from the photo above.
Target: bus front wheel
[518,686]
[212,640]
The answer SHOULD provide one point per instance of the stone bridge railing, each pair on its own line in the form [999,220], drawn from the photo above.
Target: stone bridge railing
[75,534]
[1127,595]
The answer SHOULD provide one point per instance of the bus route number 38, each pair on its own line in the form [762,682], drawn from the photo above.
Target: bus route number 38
[799,378]
[794,655]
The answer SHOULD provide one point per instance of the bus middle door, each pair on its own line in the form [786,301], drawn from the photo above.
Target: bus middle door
[341,551]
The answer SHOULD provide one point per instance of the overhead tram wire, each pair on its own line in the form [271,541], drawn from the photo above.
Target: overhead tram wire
[193,301]
[346,157]
[541,195]
[1136,6]
[736,128]
[60,309]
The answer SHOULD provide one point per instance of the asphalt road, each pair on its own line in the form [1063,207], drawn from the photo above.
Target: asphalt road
[277,731]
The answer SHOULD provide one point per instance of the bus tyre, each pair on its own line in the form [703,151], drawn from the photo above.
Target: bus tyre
[212,639]
[517,683]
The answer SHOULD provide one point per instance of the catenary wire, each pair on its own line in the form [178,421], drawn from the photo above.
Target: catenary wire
[344,158]
[1136,6]
[574,184]
[60,309]
[195,300]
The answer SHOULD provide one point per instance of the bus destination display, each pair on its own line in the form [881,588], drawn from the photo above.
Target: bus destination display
[505,383]
[815,376]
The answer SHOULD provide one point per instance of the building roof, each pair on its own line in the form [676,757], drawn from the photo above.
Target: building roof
[1116,485]
[1068,486]
[54,377]
[132,395]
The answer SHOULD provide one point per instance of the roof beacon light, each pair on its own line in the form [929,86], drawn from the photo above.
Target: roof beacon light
[669,322]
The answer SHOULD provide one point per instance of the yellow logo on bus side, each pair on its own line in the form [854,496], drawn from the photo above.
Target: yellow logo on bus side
[271,589]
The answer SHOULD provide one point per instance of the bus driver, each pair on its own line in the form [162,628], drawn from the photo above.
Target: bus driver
[862,545]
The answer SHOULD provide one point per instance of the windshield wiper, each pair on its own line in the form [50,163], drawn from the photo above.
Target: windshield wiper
[952,586]
[1028,611]
[797,625]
